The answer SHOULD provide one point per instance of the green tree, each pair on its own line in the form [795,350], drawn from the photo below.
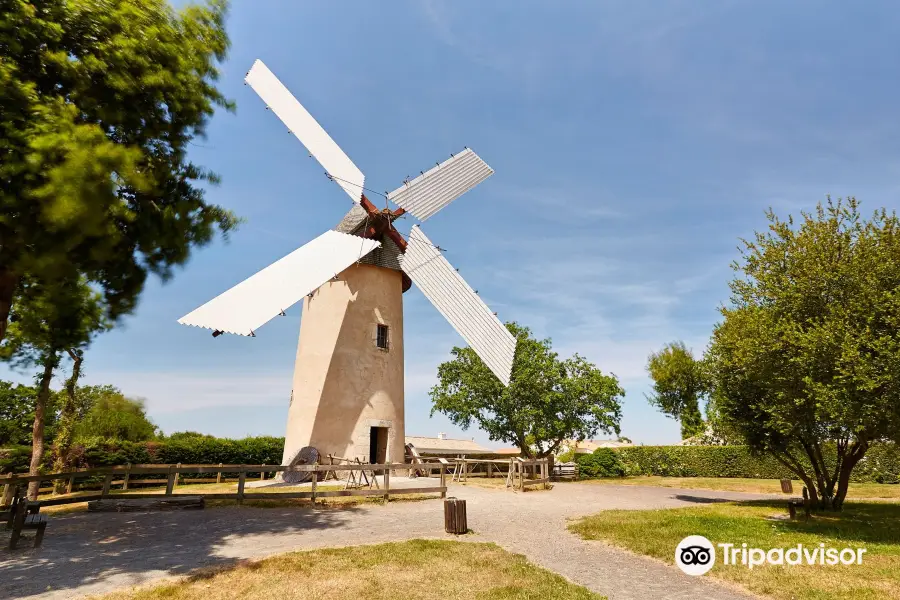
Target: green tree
[48,318]
[807,358]
[679,384]
[547,401]
[17,404]
[113,416]
[99,100]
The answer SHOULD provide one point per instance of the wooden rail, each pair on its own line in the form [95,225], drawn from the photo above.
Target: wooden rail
[172,473]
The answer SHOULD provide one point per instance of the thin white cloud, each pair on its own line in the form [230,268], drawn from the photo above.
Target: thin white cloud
[171,391]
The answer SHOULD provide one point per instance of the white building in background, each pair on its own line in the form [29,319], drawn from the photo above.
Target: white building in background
[446,447]
[588,446]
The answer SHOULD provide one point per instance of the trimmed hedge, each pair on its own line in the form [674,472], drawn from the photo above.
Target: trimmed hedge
[212,451]
[880,465]
[603,462]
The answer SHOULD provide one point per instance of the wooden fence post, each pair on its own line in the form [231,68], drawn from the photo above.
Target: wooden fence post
[170,482]
[71,485]
[127,476]
[262,474]
[315,477]
[177,475]
[107,481]
[489,470]
[7,494]
[241,480]
[219,474]
[387,485]
[443,482]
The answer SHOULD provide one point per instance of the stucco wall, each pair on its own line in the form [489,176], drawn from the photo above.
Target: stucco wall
[343,384]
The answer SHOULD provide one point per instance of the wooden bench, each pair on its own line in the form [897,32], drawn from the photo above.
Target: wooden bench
[25,515]
[794,503]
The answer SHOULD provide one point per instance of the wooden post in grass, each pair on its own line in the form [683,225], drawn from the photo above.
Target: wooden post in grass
[219,474]
[177,475]
[71,485]
[387,485]
[489,470]
[262,474]
[127,476]
[315,477]
[170,481]
[443,482]
[241,480]
[107,481]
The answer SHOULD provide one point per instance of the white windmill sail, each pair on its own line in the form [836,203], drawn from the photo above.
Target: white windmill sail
[439,186]
[460,305]
[259,298]
[307,129]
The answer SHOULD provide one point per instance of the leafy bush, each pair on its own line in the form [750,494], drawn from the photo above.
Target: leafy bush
[15,459]
[565,457]
[187,435]
[603,462]
[880,465]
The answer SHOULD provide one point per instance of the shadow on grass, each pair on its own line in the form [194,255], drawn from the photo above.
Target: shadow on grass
[700,499]
[871,522]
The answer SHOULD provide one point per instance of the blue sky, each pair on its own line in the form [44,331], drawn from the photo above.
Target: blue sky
[633,144]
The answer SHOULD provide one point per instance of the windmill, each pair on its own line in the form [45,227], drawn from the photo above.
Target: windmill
[347,397]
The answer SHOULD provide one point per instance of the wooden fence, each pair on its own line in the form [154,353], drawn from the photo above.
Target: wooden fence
[122,475]
[517,470]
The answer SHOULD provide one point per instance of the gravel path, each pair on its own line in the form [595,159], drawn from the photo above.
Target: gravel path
[92,553]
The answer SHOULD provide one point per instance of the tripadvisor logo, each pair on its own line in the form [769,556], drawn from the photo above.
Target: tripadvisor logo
[696,555]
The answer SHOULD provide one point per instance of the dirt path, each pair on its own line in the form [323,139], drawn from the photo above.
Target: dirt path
[92,553]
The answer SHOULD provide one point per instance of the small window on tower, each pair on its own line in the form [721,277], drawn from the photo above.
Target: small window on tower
[381,337]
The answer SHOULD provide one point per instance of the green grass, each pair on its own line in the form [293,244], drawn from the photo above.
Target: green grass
[757,486]
[874,526]
[414,570]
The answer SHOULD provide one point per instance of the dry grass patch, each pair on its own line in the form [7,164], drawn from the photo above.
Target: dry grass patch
[872,526]
[492,482]
[418,569]
[753,486]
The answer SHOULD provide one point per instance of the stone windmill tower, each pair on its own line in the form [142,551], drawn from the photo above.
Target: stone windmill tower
[347,396]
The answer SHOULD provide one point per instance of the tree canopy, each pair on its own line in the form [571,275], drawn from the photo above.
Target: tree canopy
[99,100]
[807,358]
[17,404]
[548,400]
[679,384]
[113,416]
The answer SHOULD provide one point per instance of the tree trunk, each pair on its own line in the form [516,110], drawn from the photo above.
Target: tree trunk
[37,432]
[853,457]
[820,470]
[63,442]
[8,284]
[794,467]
